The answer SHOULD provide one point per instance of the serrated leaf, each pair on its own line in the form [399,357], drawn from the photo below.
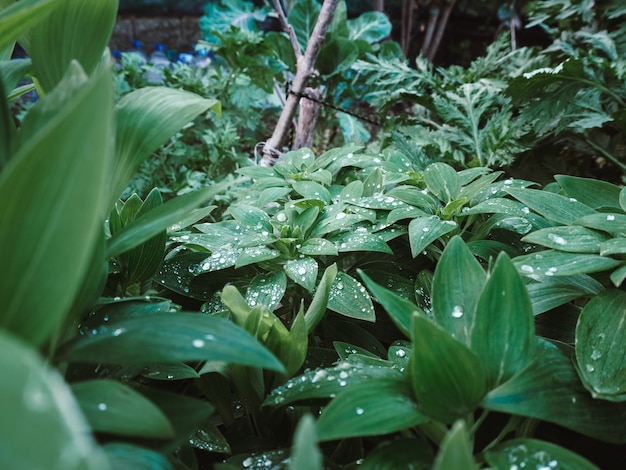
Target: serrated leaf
[600,336]
[456,289]
[572,239]
[302,271]
[371,408]
[115,408]
[425,230]
[559,263]
[348,297]
[170,337]
[448,379]
[503,332]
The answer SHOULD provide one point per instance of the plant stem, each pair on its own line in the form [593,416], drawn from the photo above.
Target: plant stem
[605,154]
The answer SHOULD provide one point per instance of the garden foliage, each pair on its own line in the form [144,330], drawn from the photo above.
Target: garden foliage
[396,301]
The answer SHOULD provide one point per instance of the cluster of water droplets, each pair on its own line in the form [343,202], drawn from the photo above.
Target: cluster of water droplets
[596,353]
[521,457]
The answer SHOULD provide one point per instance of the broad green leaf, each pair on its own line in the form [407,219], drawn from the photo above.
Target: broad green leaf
[302,17]
[371,26]
[335,57]
[559,263]
[311,190]
[613,246]
[593,193]
[18,18]
[400,310]
[267,289]
[415,197]
[305,454]
[425,230]
[12,71]
[622,199]
[8,132]
[290,348]
[573,239]
[618,276]
[554,207]
[369,409]
[170,337]
[360,240]
[600,339]
[146,118]
[352,129]
[72,31]
[404,453]
[317,307]
[64,151]
[170,371]
[150,223]
[318,247]
[209,438]
[443,181]
[607,222]
[549,389]
[125,455]
[456,288]
[503,333]
[251,217]
[348,297]
[498,205]
[327,383]
[255,255]
[302,271]
[533,453]
[39,412]
[448,379]
[456,450]
[115,408]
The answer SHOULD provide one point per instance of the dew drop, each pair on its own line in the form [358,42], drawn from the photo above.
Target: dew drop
[457,311]
[590,368]
[610,217]
[102,406]
[359,411]
[596,354]
[400,353]
[197,343]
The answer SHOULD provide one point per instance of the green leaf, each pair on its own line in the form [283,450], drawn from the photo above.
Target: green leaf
[38,409]
[255,254]
[12,71]
[209,438]
[554,207]
[8,132]
[400,310]
[317,307]
[456,288]
[335,57]
[146,118]
[443,181]
[148,224]
[19,17]
[425,230]
[115,408]
[600,339]
[456,449]
[124,455]
[403,452]
[318,247]
[72,31]
[311,190]
[170,337]
[611,223]
[267,289]
[573,239]
[170,371]
[348,297]
[302,271]
[352,129]
[503,333]
[593,193]
[64,151]
[371,26]
[559,263]
[613,246]
[302,17]
[369,409]
[549,389]
[305,454]
[533,453]
[448,378]
[360,240]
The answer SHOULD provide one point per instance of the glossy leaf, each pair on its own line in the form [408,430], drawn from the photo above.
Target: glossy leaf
[573,239]
[317,307]
[600,339]
[448,378]
[170,337]
[318,247]
[146,118]
[125,455]
[115,408]
[39,412]
[425,230]
[443,181]
[302,17]
[12,71]
[591,192]
[266,289]
[348,297]
[64,150]
[170,371]
[72,31]
[549,389]
[360,240]
[607,222]
[456,449]
[457,284]
[302,271]
[305,454]
[255,255]
[373,408]
[559,263]
[148,224]
[404,453]
[613,246]
[335,57]
[209,438]
[533,453]
[559,209]
[371,26]
[503,333]
[8,132]
[18,18]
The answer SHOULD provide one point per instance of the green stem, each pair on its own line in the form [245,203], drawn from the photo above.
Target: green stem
[605,154]
[435,431]
[511,425]
[479,421]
